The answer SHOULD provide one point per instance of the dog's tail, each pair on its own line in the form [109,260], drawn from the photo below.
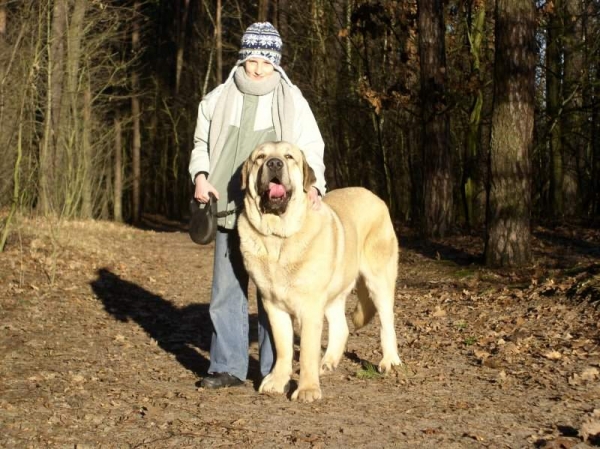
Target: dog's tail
[365,309]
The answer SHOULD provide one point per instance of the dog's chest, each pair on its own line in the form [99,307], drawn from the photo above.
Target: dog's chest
[276,270]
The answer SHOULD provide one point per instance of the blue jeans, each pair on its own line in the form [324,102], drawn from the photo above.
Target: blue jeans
[229,312]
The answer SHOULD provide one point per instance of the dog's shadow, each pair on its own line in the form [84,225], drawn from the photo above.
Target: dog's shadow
[183,332]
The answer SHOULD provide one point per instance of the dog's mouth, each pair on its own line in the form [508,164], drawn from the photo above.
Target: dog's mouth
[276,191]
[275,197]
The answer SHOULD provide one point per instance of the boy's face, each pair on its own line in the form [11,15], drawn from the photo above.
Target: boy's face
[258,68]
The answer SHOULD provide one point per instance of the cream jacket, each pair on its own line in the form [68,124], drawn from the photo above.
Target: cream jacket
[306,131]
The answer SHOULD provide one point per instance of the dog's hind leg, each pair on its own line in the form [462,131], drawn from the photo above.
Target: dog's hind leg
[379,270]
[338,333]
[382,294]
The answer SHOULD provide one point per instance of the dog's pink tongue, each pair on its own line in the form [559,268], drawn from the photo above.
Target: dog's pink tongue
[276,190]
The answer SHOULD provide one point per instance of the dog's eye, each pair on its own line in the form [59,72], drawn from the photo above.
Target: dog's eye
[260,157]
[289,156]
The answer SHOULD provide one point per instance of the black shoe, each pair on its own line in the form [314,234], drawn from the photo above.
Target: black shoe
[220,380]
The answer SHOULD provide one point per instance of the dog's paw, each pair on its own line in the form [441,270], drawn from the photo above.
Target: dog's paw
[307,394]
[272,384]
[387,363]
[328,364]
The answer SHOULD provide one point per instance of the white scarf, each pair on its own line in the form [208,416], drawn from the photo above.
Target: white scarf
[238,80]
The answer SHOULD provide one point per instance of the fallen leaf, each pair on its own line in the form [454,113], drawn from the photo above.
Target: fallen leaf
[481,355]
[439,312]
[77,378]
[491,362]
[590,374]
[553,355]
[590,428]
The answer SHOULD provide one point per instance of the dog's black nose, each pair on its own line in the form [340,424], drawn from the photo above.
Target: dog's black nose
[275,164]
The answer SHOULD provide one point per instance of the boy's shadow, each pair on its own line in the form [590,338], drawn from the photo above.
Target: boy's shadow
[180,331]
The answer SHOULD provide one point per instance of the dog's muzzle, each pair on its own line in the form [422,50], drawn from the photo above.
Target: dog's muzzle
[272,186]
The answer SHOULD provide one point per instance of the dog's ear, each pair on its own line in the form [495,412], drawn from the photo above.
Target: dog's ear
[245,173]
[308,175]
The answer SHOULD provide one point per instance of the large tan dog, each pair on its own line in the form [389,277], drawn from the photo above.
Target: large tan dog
[305,262]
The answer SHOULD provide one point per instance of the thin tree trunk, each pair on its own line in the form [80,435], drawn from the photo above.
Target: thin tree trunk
[263,10]
[56,50]
[438,203]
[118,175]
[181,25]
[471,176]
[509,202]
[573,144]
[135,113]
[275,16]
[72,129]
[6,127]
[3,19]
[554,103]
[281,19]
[219,43]
[16,189]
[317,44]
[87,188]
[595,144]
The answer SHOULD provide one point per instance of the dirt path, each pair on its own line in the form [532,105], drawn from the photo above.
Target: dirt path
[104,334]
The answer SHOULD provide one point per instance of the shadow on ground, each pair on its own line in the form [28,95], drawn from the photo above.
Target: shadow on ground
[159,223]
[439,251]
[179,331]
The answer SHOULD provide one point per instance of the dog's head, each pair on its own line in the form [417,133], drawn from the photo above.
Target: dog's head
[275,174]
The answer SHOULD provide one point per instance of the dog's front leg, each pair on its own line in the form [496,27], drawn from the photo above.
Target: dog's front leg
[283,335]
[311,327]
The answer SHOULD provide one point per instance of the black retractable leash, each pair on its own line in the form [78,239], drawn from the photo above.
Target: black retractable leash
[203,223]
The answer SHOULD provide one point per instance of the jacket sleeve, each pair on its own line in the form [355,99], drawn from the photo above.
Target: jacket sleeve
[308,139]
[199,160]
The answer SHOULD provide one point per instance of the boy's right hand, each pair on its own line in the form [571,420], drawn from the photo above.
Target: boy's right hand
[203,188]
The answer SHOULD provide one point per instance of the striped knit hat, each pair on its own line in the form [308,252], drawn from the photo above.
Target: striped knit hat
[261,40]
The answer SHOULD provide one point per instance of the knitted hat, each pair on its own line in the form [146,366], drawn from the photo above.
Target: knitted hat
[261,40]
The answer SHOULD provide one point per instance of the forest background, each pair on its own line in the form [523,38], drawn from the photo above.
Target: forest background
[467,115]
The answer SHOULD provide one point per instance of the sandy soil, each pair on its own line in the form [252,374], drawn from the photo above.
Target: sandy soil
[104,335]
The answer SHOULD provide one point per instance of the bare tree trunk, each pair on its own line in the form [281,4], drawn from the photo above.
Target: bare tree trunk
[317,43]
[87,187]
[56,51]
[16,190]
[72,130]
[219,43]
[135,113]
[280,19]
[595,144]
[263,10]
[573,143]
[3,19]
[181,27]
[5,65]
[472,184]
[118,175]
[509,204]
[438,202]
[553,106]
[275,18]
